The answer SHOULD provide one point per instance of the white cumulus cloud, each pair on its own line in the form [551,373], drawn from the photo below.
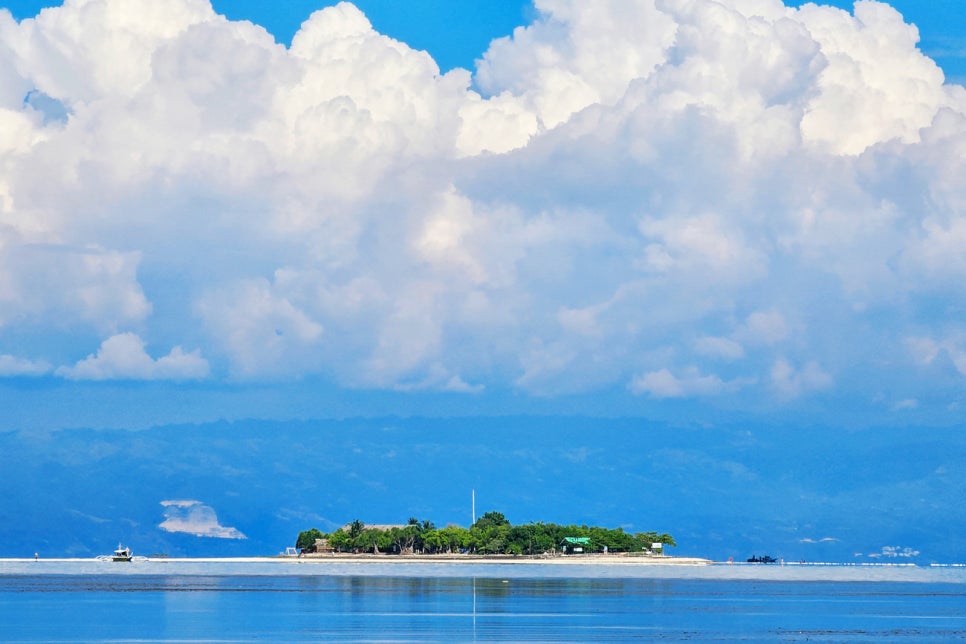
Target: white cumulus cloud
[793,382]
[696,197]
[13,366]
[664,384]
[195,518]
[122,357]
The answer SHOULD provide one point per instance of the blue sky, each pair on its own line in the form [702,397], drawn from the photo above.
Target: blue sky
[457,34]
[738,209]
[941,26]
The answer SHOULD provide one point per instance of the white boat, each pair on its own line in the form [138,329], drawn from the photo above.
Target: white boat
[122,554]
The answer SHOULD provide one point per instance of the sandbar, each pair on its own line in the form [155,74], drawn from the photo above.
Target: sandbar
[383,559]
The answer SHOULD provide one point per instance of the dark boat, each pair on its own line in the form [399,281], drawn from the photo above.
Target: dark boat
[764,559]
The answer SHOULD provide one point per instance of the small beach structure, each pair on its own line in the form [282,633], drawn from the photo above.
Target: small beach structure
[574,545]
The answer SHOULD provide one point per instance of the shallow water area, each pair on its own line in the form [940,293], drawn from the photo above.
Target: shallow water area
[288,601]
[574,568]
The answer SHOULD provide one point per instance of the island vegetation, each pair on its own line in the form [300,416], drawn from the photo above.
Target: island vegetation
[491,534]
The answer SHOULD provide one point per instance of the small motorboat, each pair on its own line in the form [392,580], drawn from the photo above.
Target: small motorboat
[122,554]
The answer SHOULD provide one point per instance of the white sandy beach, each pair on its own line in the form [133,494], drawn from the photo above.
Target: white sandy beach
[562,560]
[494,567]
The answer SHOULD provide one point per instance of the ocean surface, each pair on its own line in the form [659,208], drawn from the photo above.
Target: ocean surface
[199,601]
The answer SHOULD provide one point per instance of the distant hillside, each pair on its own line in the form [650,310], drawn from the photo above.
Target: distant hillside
[248,488]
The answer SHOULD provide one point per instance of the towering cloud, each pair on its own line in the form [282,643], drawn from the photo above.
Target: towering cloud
[674,197]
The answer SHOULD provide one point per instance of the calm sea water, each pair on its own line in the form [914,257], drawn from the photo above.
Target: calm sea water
[216,602]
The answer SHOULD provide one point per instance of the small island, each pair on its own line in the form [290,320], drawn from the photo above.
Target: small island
[491,534]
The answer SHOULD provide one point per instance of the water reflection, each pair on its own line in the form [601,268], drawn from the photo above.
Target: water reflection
[226,607]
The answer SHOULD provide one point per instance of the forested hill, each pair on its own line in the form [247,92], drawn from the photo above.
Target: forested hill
[492,533]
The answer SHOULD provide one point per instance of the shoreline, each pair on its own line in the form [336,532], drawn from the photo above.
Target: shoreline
[489,567]
[565,560]
[600,559]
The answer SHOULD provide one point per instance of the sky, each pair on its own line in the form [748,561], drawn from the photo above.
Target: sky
[733,209]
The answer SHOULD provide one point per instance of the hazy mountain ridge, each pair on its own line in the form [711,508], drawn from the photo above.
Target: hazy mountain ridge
[797,493]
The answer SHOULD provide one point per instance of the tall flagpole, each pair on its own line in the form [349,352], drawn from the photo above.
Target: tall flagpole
[473,496]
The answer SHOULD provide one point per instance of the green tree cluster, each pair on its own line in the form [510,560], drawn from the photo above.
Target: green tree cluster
[492,533]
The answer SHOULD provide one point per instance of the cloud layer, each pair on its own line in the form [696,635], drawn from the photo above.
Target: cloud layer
[675,198]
